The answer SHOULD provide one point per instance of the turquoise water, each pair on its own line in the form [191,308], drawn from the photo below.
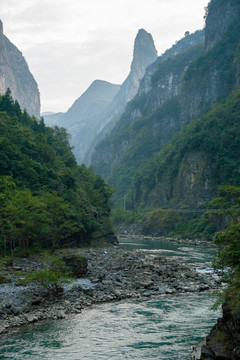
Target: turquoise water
[163,327]
[198,256]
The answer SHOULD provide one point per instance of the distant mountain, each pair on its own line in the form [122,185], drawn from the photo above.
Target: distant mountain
[46,113]
[144,54]
[15,74]
[94,113]
[51,118]
[82,118]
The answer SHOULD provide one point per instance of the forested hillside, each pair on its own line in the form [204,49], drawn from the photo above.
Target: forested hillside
[47,200]
[135,158]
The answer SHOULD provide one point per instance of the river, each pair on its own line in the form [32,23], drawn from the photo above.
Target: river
[164,327]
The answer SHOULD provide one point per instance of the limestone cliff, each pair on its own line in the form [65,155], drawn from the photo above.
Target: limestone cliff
[219,16]
[188,41]
[144,54]
[15,74]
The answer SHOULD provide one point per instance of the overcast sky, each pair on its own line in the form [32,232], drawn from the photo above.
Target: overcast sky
[70,43]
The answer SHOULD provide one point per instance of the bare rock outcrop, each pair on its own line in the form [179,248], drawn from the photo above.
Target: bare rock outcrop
[15,74]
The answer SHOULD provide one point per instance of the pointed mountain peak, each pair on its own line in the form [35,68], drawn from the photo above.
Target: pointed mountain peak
[1,27]
[144,52]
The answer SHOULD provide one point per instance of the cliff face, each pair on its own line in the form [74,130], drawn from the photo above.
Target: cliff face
[15,74]
[144,54]
[219,15]
[172,94]
[193,185]
[223,340]
[188,41]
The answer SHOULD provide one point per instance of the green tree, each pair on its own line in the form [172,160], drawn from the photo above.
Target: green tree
[7,187]
[52,199]
[24,215]
[60,222]
[228,245]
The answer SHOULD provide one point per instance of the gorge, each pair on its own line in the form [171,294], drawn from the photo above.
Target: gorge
[165,141]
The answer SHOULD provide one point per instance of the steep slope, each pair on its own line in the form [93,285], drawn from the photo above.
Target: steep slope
[150,119]
[182,89]
[15,74]
[82,119]
[93,101]
[189,169]
[188,41]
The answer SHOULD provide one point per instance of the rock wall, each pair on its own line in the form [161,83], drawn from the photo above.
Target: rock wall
[15,74]
[223,341]
[194,183]
[220,14]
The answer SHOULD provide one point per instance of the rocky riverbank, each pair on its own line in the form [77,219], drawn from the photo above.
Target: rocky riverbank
[178,240]
[223,340]
[113,274]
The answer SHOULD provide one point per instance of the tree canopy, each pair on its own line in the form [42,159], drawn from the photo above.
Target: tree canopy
[46,198]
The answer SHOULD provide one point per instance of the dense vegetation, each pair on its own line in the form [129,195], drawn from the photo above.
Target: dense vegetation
[215,135]
[47,200]
[147,179]
[228,244]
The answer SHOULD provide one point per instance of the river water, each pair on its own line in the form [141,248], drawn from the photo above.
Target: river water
[164,327]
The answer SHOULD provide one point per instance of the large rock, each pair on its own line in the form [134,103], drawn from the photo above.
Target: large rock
[223,340]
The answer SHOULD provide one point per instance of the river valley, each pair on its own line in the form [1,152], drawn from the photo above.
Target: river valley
[157,327]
